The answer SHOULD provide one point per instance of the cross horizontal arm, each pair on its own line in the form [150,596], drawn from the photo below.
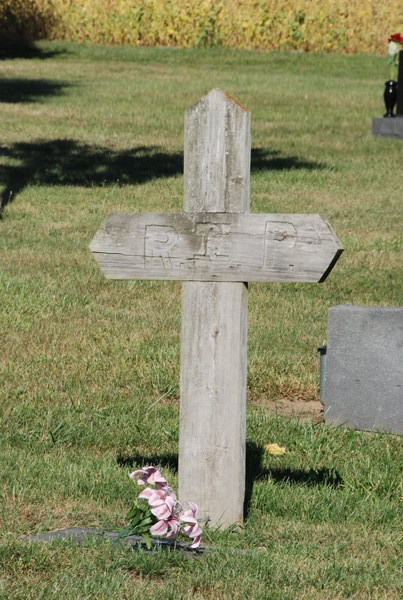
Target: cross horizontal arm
[216,247]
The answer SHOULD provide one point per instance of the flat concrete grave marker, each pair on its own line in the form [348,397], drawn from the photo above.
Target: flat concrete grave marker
[364,368]
[215,247]
[81,535]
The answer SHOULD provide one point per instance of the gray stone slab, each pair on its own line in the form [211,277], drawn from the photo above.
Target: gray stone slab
[80,535]
[364,372]
[389,127]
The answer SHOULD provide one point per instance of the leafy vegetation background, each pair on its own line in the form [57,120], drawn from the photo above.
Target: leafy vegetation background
[302,25]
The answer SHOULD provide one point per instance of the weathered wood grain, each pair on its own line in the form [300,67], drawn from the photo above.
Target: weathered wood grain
[214,321]
[217,155]
[216,247]
[213,399]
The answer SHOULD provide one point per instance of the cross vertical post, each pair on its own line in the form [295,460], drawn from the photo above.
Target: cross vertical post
[214,318]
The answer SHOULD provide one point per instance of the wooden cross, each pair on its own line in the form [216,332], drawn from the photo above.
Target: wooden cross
[215,247]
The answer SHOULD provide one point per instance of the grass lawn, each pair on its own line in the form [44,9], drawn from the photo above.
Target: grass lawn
[89,368]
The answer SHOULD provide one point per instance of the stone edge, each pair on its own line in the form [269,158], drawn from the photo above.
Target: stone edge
[389,127]
[80,535]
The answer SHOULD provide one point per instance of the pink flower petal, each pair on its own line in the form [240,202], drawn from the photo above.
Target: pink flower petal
[149,469]
[157,498]
[197,532]
[160,528]
[193,507]
[192,530]
[188,518]
[150,475]
[147,493]
[196,542]
[174,527]
[157,479]
[143,475]
[170,494]
[161,512]
[171,501]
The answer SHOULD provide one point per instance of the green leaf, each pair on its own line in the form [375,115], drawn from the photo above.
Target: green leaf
[145,522]
[123,533]
[133,512]
[147,540]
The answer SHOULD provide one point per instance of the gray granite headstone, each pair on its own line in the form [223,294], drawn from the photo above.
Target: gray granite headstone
[364,371]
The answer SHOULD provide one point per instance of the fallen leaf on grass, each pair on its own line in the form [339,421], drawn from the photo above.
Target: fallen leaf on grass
[275,449]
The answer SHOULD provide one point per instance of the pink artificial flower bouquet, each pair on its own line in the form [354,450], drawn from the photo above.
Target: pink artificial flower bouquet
[164,515]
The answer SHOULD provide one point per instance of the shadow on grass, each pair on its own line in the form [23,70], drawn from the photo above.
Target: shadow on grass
[70,162]
[255,472]
[169,461]
[271,160]
[29,90]
[327,477]
[254,456]
[18,47]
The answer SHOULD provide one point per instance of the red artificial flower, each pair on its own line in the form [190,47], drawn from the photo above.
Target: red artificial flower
[396,37]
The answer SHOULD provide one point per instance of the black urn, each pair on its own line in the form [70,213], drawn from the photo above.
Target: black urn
[390,97]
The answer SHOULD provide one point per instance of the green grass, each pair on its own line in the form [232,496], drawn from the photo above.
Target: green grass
[89,368]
